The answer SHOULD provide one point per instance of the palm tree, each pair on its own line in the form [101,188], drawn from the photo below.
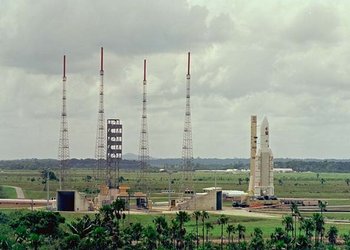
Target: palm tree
[322,181]
[303,242]
[288,223]
[230,230]
[118,207]
[107,212]
[332,235]
[347,180]
[240,181]
[204,216]
[241,230]
[222,220]
[182,217]
[278,239]
[136,231]
[319,227]
[150,238]
[174,230]
[81,227]
[196,215]
[257,241]
[162,229]
[208,226]
[346,238]
[322,206]
[308,226]
[189,240]
[295,213]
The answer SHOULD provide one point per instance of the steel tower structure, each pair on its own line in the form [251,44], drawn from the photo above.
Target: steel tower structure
[143,146]
[187,149]
[114,151]
[63,148]
[100,150]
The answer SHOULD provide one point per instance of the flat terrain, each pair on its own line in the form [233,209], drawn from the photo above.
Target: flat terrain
[7,192]
[334,188]
[330,187]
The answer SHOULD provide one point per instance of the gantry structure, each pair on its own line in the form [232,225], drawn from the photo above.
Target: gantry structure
[114,152]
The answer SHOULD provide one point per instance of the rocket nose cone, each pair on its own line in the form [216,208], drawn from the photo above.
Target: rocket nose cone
[265,122]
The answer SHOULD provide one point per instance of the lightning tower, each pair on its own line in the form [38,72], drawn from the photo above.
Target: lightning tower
[143,146]
[100,150]
[187,150]
[63,148]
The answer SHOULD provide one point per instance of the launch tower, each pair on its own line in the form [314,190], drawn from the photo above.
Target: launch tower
[114,152]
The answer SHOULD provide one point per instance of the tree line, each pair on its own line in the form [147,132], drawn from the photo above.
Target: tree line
[109,229]
[341,166]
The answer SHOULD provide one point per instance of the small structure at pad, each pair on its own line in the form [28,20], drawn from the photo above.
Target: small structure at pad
[209,200]
[108,195]
[72,200]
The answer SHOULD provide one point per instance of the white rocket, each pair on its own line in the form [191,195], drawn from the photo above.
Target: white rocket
[263,179]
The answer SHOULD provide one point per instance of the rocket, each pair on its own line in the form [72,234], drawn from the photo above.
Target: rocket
[263,179]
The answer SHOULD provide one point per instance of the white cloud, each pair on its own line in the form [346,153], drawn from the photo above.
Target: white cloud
[284,59]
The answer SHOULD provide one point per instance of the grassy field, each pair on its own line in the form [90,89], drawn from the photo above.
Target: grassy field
[7,192]
[266,224]
[295,185]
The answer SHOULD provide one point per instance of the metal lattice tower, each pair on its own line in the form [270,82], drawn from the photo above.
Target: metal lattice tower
[143,147]
[100,150]
[63,148]
[114,151]
[187,150]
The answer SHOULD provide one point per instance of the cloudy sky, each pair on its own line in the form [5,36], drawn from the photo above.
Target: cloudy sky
[287,60]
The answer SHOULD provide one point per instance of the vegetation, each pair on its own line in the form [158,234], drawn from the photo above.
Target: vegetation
[335,190]
[112,229]
[7,192]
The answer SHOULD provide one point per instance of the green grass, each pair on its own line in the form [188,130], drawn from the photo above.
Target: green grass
[7,192]
[267,225]
[295,185]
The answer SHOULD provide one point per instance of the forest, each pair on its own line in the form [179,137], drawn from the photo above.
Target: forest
[300,165]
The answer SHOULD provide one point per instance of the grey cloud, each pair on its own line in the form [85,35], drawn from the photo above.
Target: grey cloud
[318,22]
[79,28]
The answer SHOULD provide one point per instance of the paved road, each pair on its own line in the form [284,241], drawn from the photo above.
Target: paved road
[19,191]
